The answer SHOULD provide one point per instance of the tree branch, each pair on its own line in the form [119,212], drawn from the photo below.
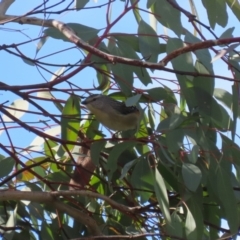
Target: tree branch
[69,33]
[4,5]
[47,197]
[85,193]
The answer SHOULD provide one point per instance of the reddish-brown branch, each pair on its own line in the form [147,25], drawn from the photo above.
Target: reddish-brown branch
[116,59]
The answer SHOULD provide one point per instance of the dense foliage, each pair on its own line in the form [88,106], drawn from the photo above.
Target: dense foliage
[65,176]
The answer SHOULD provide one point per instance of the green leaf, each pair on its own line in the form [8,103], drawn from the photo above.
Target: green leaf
[235,7]
[176,227]
[96,60]
[40,44]
[161,194]
[226,194]
[150,3]
[195,207]
[115,153]
[212,215]
[174,140]
[131,101]
[159,94]
[79,4]
[235,104]
[135,11]
[151,116]
[127,167]
[22,211]
[233,150]
[184,62]
[28,61]
[235,66]
[70,120]
[190,226]
[84,32]
[192,176]
[95,150]
[193,156]
[224,96]
[228,33]
[24,234]
[205,83]
[168,16]
[129,39]
[36,210]
[58,177]
[142,73]
[221,185]
[6,166]
[217,12]
[220,117]
[168,175]
[142,178]
[46,232]
[103,78]
[209,108]
[170,123]
[148,42]
[48,148]
[123,74]
[203,55]
[91,127]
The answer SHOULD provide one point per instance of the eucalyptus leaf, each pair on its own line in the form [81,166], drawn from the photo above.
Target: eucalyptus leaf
[168,16]
[79,4]
[6,166]
[161,194]
[131,101]
[70,120]
[191,175]
[115,153]
[84,32]
[95,149]
[148,42]
[190,226]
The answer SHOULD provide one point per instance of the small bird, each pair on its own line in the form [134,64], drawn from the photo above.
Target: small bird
[111,113]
